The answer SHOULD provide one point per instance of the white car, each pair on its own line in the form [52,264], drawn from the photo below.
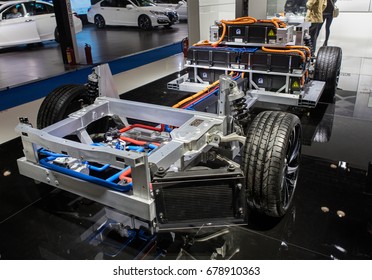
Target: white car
[142,13]
[26,22]
[179,6]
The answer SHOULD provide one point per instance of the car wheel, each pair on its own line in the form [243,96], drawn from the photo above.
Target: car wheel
[56,35]
[144,22]
[99,21]
[327,69]
[271,162]
[61,102]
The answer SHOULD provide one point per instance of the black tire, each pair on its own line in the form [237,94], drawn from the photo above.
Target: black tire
[271,160]
[56,35]
[327,69]
[61,102]
[144,22]
[99,21]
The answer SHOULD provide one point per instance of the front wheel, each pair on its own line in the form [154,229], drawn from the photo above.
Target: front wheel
[271,162]
[144,22]
[99,21]
[61,102]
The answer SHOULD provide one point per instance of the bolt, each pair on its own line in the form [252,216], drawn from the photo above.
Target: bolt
[240,210]
[161,170]
[239,186]
[157,192]
[215,138]
[231,168]
[56,182]
[48,179]
[161,216]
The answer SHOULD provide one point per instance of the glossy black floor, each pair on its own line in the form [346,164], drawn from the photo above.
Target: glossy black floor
[331,217]
[23,63]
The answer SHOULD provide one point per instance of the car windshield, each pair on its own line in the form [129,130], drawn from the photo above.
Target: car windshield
[143,3]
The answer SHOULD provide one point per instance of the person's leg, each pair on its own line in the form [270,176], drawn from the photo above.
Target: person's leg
[328,19]
[314,32]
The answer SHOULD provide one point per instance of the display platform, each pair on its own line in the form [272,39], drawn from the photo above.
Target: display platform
[331,217]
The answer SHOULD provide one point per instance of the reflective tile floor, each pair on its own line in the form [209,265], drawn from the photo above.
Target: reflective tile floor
[23,63]
[331,217]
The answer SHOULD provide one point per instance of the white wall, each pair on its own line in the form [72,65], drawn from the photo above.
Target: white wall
[354,5]
[257,8]
[211,10]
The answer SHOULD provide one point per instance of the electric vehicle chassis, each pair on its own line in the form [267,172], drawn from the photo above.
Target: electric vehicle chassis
[175,168]
[192,169]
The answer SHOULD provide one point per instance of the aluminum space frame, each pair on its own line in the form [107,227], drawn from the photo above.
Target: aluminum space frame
[196,133]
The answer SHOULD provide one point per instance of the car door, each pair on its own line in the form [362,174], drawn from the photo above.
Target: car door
[108,9]
[43,15]
[127,15]
[19,30]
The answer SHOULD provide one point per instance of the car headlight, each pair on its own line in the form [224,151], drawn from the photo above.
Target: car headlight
[157,13]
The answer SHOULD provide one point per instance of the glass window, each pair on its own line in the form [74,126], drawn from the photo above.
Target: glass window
[50,9]
[110,3]
[280,7]
[143,3]
[123,3]
[41,9]
[14,11]
[34,8]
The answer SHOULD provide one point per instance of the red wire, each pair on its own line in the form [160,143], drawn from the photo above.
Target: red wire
[125,175]
[137,142]
[160,129]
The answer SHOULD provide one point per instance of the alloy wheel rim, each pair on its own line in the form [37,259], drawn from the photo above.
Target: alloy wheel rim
[144,23]
[291,167]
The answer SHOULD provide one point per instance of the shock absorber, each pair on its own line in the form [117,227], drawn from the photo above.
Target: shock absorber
[308,43]
[92,86]
[239,109]
[232,104]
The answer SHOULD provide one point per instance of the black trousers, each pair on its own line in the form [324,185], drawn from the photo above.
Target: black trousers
[314,30]
[327,19]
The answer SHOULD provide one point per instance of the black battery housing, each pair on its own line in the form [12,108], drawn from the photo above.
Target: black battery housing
[264,65]
[277,62]
[259,32]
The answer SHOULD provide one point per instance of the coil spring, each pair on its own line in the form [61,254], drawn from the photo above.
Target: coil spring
[239,108]
[308,43]
[92,86]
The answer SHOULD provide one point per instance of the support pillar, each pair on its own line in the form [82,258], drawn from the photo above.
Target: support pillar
[66,30]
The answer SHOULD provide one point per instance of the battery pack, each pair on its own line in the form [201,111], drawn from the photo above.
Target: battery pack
[271,69]
[256,33]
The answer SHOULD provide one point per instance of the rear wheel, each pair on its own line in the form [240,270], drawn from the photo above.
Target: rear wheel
[144,22]
[99,21]
[327,69]
[271,162]
[61,102]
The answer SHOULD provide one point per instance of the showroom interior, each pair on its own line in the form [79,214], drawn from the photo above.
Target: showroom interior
[330,215]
